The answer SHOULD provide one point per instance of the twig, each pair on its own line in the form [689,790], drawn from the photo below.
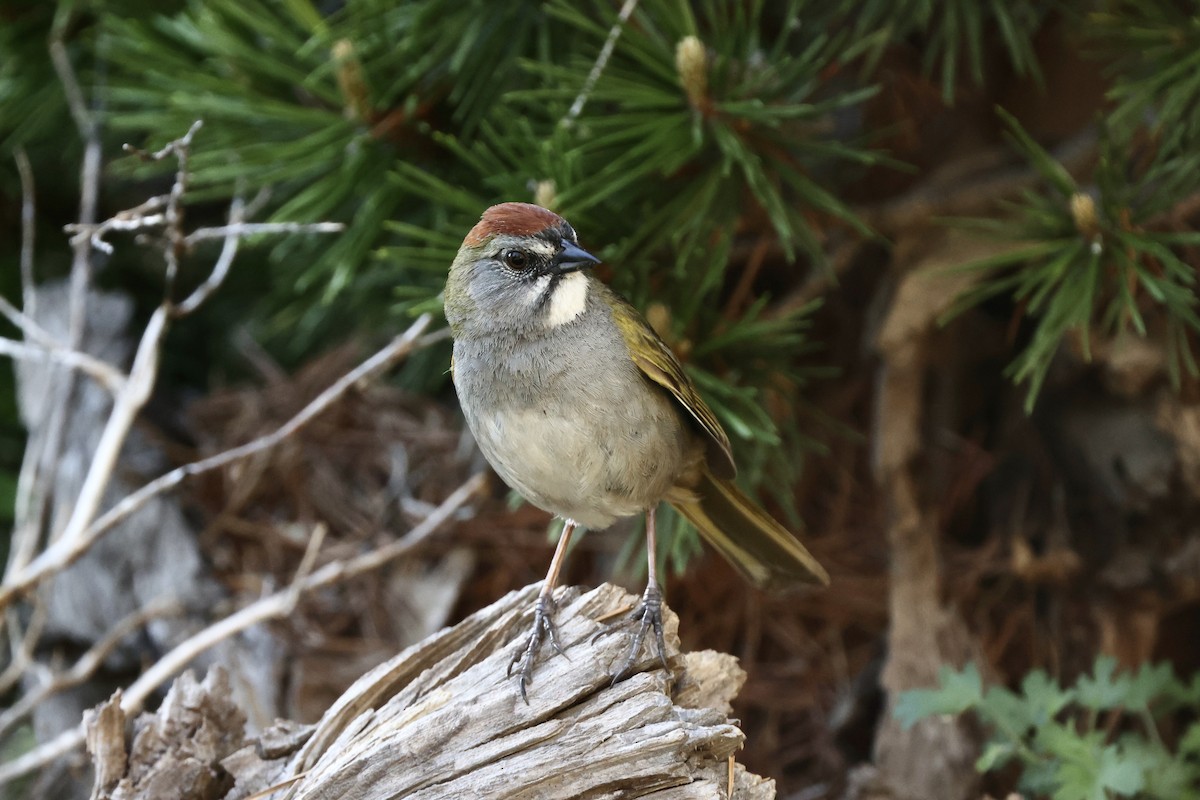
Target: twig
[128,402]
[28,231]
[741,292]
[104,374]
[182,149]
[84,120]
[252,228]
[601,62]
[307,562]
[258,202]
[146,215]
[172,221]
[167,149]
[89,131]
[220,269]
[272,606]
[21,645]
[81,265]
[88,663]
[233,234]
[46,441]
[23,542]
[28,506]
[65,552]
[135,391]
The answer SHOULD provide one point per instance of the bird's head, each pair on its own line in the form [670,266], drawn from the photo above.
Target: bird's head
[518,269]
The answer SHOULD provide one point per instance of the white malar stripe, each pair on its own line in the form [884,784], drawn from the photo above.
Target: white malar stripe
[567,300]
[538,288]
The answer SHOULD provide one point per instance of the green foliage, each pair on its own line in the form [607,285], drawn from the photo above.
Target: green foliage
[32,102]
[375,117]
[672,166]
[1105,255]
[317,109]
[660,181]
[1099,739]
[693,162]
[954,32]
[1095,257]
[1154,46]
[715,129]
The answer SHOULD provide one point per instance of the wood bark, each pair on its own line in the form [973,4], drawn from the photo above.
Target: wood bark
[444,719]
[935,757]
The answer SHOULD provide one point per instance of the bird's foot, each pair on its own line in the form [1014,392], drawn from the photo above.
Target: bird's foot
[543,627]
[646,617]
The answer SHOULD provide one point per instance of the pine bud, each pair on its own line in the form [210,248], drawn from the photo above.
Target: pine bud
[545,193]
[1083,212]
[350,81]
[691,62]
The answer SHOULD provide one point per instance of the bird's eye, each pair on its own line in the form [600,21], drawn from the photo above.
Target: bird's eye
[516,259]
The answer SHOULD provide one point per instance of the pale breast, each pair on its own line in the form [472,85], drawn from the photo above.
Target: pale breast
[590,439]
[584,468]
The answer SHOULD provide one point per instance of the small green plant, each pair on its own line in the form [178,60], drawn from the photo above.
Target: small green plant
[1111,735]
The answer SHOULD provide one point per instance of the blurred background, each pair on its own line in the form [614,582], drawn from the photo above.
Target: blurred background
[932,262]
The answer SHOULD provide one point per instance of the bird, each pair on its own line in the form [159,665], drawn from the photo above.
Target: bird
[582,408]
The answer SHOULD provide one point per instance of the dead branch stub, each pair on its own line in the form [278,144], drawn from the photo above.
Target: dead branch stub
[443,719]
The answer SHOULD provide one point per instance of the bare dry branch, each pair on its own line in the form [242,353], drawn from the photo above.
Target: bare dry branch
[220,269]
[132,392]
[86,666]
[172,147]
[65,552]
[307,562]
[21,645]
[22,545]
[82,115]
[127,404]
[254,228]
[174,222]
[272,606]
[124,222]
[601,62]
[45,444]
[104,374]
[233,233]
[28,231]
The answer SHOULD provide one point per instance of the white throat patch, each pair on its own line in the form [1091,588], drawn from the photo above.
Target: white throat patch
[568,300]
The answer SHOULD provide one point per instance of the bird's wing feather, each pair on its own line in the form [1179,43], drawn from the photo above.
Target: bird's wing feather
[654,358]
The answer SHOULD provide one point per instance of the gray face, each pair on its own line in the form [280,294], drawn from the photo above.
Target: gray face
[517,284]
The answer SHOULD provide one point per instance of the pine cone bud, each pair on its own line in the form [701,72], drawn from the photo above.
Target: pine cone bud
[1083,212]
[545,194]
[350,81]
[691,61]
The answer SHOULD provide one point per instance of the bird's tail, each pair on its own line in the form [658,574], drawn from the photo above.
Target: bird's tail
[749,538]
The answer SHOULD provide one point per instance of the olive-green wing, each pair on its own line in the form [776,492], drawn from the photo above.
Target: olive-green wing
[654,358]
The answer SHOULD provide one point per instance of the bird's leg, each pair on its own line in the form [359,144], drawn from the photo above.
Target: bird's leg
[648,614]
[543,614]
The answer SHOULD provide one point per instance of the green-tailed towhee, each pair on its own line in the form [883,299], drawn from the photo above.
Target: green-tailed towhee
[581,407]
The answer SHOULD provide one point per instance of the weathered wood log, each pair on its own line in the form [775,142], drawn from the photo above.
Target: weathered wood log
[444,720]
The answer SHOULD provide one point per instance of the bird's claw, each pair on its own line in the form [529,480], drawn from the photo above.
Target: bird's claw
[646,616]
[543,626]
